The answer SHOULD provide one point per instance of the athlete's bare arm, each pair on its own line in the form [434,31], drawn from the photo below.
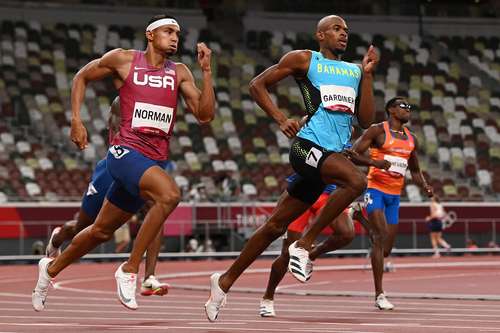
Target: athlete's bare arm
[116,62]
[416,173]
[366,110]
[200,103]
[363,160]
[372,137]
[294,63]
[114,116]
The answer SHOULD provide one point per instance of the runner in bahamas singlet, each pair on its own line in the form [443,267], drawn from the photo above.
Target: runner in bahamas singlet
[329,90]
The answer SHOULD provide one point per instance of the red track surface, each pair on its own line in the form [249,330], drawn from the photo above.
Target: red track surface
[85,300]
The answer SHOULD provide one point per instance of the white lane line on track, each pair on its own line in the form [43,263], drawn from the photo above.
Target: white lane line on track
[251,305]
[306,292]
[251,312]
[285,286]
[427,277]
[323,302]
[143,327]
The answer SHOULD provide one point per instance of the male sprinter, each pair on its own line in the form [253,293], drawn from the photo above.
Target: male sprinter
[390,141]
[332,89]
[148,83]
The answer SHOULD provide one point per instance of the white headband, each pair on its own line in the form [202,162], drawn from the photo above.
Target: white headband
[161,22]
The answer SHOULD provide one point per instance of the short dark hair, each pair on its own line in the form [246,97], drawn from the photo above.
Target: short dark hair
[392,102]
[159,17]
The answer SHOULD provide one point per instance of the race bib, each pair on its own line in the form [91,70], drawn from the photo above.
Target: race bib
[338,98]
[398,164]
[313,157]
[118,151]
[152,119]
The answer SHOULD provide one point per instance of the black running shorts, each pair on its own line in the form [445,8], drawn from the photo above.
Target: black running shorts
[306,159]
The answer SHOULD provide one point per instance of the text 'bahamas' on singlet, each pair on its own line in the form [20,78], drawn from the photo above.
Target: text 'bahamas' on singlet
[330,90]
[148,104]
[397,152]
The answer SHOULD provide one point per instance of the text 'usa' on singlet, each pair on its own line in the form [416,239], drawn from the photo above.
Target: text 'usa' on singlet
[148,103]
[330,90]
[397,152]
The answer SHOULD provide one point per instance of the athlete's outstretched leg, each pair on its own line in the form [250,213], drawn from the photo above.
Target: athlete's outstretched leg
[109,219]
[157,186]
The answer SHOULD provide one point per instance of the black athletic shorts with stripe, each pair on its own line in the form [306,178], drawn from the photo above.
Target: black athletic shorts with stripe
[306,159]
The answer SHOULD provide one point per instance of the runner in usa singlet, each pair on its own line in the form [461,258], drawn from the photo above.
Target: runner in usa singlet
[148,103]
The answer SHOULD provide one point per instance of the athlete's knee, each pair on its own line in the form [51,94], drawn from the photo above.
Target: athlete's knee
[101,234]
[378,238]
[169,198]
[348,235]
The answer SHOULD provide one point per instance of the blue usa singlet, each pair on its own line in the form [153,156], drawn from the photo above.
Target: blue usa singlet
[329,90]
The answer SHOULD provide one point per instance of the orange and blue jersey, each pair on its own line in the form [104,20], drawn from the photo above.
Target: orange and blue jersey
[384,186]
[397,152]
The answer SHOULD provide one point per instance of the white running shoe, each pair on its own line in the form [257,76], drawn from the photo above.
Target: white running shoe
[299,264]
[151,286]
[267,308]
[39,295]
[217,298]
[382,303]
[126,283]
[51,251]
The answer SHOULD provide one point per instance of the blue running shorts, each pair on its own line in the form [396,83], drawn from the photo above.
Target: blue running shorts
[388,203]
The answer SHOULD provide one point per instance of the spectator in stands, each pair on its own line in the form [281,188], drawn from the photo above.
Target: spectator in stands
[229,186]
[471,244]
[192,246]
[207,246]
[435,225]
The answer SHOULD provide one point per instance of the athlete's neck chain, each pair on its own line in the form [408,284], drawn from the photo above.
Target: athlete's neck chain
[395,131]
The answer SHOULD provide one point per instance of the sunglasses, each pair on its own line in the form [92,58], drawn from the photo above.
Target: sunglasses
[404,106]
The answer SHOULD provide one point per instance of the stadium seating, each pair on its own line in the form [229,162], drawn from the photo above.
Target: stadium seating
[457,120]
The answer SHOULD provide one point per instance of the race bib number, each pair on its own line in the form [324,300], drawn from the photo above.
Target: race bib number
[118,151]
[152,119]
[398,164]
[338,98]
[313,157]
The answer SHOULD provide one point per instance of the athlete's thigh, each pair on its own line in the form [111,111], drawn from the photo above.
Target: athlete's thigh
[338,169]
[156,183]
[375,208]
[111,217]
[392,219]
